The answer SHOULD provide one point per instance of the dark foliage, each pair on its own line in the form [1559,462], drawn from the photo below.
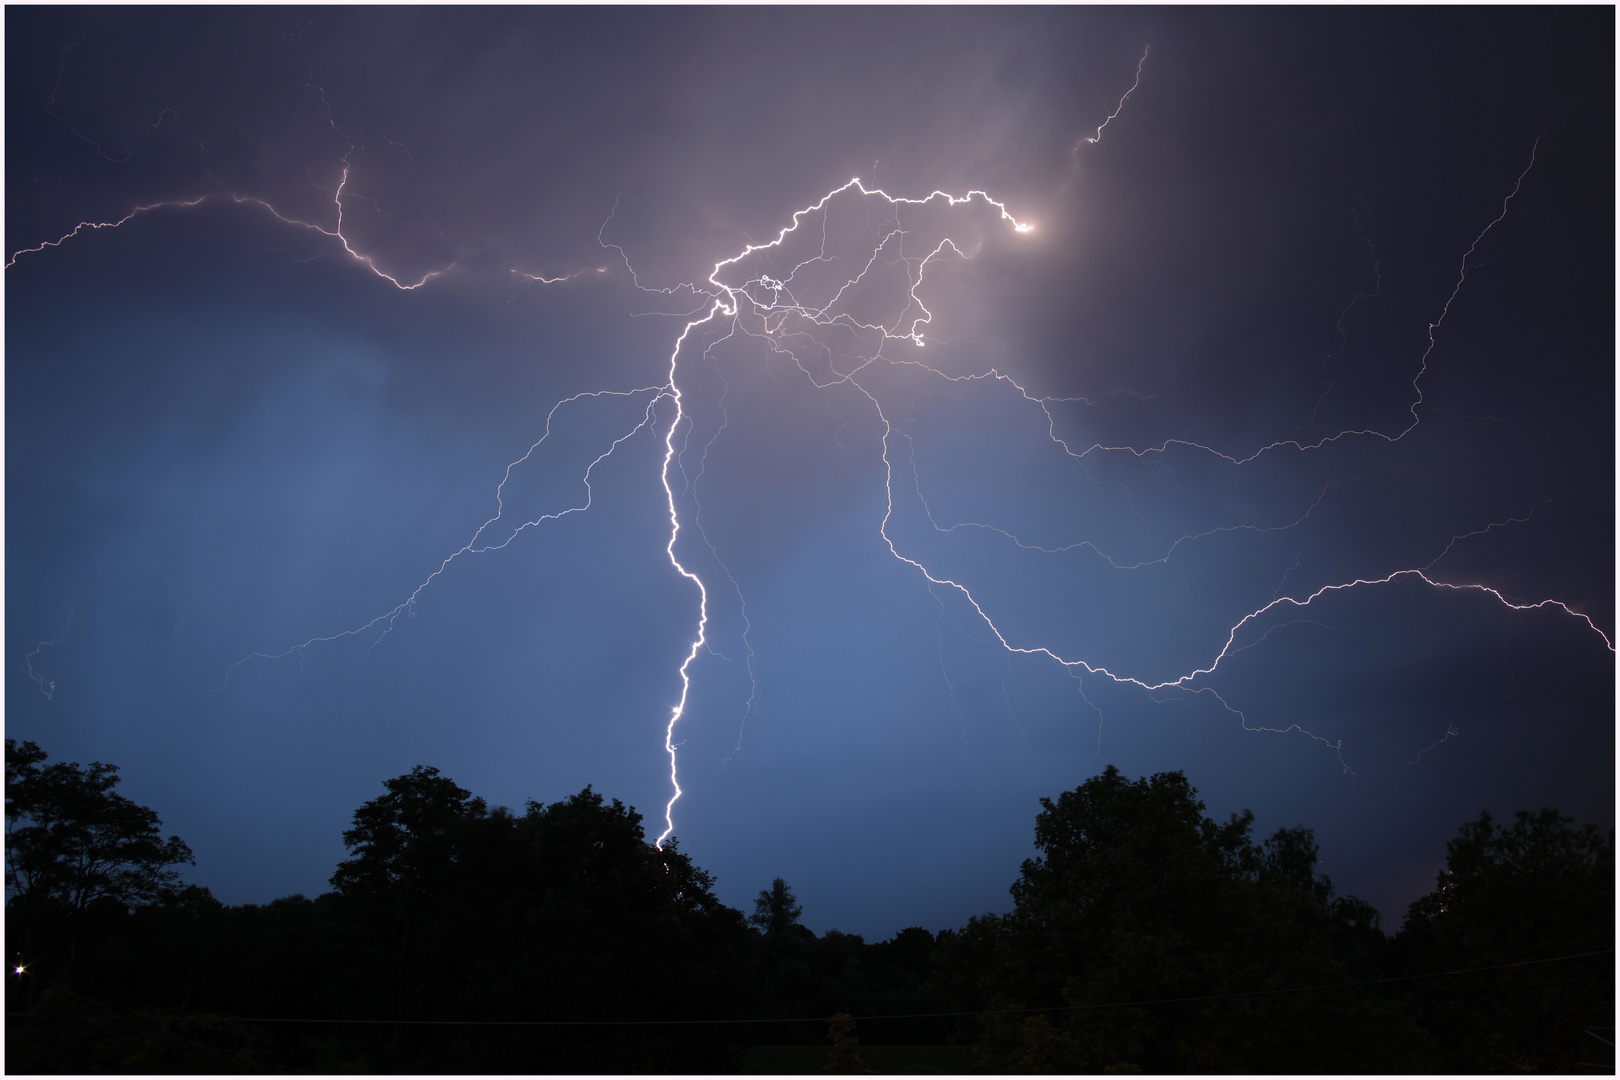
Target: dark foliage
[73,842]
[445,911]
[1144,937]
[79,856]
[776,909]
[1149,935]
[1538,889]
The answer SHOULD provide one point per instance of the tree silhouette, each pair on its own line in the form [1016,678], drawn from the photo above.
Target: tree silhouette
[406,840]
[1138,898]
[1535,890]
[71,840]
[566,912]
[775,909]
[78,854]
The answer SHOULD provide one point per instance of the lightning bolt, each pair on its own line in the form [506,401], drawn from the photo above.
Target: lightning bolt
[772,298]
[699,641]
[47,687]
[1451,733]
[387,619]
[333,232]
[784,308]
[1096,137]
[543,280]
[765,305]
[1417,378]
[56,88]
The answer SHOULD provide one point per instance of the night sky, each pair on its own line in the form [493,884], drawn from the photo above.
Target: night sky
[1308,297]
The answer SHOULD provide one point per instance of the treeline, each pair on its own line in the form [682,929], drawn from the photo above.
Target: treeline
[468,939]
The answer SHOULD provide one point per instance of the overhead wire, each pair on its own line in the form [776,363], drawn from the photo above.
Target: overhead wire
[924,1016]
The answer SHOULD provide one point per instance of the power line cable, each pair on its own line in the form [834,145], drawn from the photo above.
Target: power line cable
[920,1016]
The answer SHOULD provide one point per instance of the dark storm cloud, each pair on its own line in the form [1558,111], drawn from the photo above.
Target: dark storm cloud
[238,437]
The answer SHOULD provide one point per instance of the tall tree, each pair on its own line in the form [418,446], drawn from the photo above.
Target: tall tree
[1510,896]
[73,841]
[405,855]
[565,914]
[407,839]
[775,909]
[77,854]
[1163,940]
